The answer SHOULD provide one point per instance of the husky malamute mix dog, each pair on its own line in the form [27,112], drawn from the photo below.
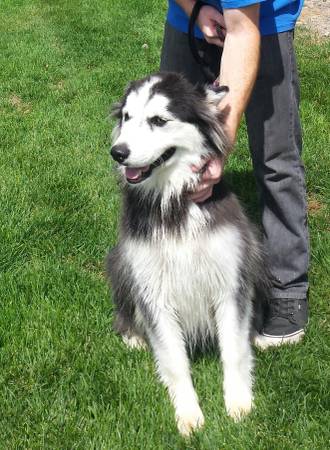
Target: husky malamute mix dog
[183,273]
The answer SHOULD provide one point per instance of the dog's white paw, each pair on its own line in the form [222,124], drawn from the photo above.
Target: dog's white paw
[238,404]
[135,342]
[190,420]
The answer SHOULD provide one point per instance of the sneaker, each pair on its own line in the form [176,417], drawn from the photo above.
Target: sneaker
[285,323]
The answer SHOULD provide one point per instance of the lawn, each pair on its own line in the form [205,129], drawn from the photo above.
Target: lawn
[66,381]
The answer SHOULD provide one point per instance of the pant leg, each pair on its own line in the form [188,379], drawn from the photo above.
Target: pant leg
[177,57]
[275,143]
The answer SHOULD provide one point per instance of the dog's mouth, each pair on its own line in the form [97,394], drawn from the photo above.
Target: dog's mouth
[135,175]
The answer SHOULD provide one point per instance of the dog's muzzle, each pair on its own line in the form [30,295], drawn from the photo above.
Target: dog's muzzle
[135,175]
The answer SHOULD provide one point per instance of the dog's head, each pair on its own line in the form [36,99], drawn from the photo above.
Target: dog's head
[166,125]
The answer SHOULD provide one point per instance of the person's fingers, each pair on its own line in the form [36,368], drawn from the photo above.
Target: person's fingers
[212,33]
[221,32]
[214,41]
[210,21]
[218,17]
[211,14]
[213,171]
[202,166]
[202,187]
[201,196]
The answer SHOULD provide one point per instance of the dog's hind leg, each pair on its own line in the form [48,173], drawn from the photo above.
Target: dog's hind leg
[126,319]
[167,342]
[236,354]
[126,324]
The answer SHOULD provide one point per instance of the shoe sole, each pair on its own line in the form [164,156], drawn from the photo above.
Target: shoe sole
[264,341]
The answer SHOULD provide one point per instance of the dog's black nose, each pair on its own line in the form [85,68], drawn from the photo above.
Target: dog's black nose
[119,152]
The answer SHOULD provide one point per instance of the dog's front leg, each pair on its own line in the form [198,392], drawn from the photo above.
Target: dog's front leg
[236,355]
[172,361]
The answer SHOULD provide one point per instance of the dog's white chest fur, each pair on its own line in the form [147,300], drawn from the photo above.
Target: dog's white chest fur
[187,275]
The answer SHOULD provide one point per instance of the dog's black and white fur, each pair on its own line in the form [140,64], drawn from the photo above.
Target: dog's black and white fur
[183,273]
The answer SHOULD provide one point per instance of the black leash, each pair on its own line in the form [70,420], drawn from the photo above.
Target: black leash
[192,41]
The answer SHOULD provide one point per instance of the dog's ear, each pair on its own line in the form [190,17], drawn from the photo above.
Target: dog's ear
[215,93]
[116,110]
[117,107]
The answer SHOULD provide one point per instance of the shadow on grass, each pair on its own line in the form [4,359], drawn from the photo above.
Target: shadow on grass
[243,184]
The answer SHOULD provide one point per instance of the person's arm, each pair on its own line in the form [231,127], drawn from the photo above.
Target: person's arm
[239,63]
[238,71]
[240,57]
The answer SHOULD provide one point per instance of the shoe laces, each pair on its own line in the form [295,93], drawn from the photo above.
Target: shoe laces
[283,308]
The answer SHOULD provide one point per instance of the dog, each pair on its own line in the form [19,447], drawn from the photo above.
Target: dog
[183,274]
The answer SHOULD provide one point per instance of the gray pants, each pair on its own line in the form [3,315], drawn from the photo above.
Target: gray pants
[274,132]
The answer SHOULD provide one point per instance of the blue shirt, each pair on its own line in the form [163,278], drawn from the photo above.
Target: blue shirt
[275,15]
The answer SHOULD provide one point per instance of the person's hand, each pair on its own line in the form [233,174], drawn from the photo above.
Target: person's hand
[211,170]
[209,19]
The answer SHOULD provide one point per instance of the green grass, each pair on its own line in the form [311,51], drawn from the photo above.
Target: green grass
[66,381]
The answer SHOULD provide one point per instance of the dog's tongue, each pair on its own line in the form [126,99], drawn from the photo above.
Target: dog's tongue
[134,173]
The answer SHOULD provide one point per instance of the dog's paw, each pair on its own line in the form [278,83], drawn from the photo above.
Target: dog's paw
[189,421]
[135,342]
[238,406]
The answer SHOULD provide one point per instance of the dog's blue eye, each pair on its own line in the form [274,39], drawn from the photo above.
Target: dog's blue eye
[126,117]
[158,121]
